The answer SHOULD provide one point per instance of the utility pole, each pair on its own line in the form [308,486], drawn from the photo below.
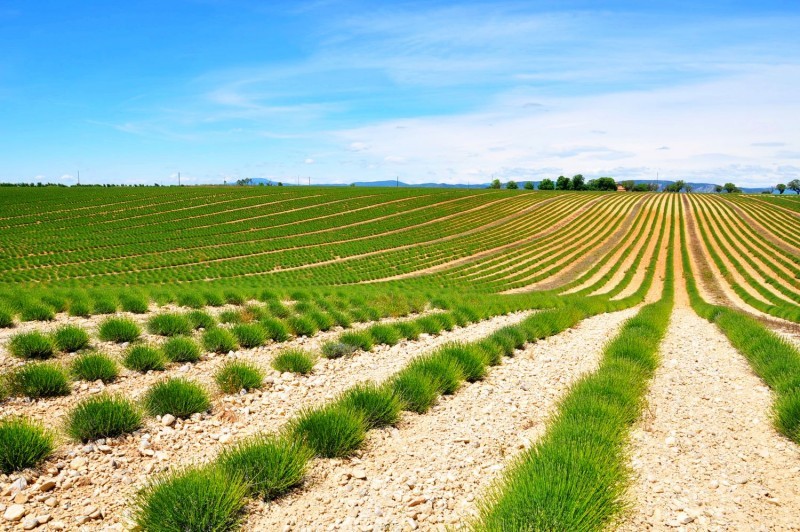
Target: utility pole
[79,178]
[398,182]
[179,179]
[309,180]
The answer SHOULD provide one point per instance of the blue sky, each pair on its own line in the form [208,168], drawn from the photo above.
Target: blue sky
[427,91]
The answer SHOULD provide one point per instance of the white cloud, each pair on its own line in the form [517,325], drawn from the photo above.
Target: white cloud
[394,159]
[309,161]
[358,146]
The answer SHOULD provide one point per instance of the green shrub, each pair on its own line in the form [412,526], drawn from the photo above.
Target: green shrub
[341,319]
[230,316]
[191,499]
[416,390]
[408,329]
[278,309]
[302,326]
[93,367]
[384,334]
[442,370]
[135,303]
[429,325]
[144,358]
[102,416]
[787,414]
[181,349]
[321,320]
[469,359]
[176,396]
[31,345]
[361,340]
[71,338]
[103,305]
[80,307]
[169,324]
[445,319]
[270,465]
[492,351]
[119,330]
[6,318]
[233,298]
[191,300]
[380,405]
[201,320]
[213,299]
[237,375]
[332,431]
[275,329]
[294,360]
[267,296]
[23,444]
[41,379]
[249,335]
[337,349]
[219,340]
[36,312]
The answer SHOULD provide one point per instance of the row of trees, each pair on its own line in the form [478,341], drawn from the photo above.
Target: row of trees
[793,185]
[577,182]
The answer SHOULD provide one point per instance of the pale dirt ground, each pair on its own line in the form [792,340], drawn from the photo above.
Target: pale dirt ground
[98,479]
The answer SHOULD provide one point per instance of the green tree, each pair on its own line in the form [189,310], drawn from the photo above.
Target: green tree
[528,185]
[578,182]
[512,185]
[629,184]
[781,188]
[563,183]
[495,184]
[718,188]
[603,183]
[730,188]
[547,184]
[794,185]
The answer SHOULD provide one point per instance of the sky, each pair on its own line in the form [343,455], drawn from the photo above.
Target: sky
[449,92]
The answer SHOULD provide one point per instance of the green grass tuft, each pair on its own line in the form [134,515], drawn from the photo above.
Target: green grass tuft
[191,300]
[294,360]
[443,371]
[94,367]
[176,396]
[302,326]
[408,329]
[135,303]
[144,358]
[102,416]
[201,320]
[416,389]
[191,499]
[237,375]
[42,379]
[270,465]
[119,330]
[337,350]
[37,312]
[429,324]
[181,349]
[71,338]
[469,359]
[6,318]
[31,345]
[332,431]
[219,340]
[276,330]
[380,405]
[360,340]
[249,335]
[23,444]
[384,334]
[169,324]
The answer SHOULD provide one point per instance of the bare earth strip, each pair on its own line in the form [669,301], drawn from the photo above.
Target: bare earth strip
[706,456]
[427,473]
[104,475]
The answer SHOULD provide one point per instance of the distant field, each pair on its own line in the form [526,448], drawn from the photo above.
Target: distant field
[438,334]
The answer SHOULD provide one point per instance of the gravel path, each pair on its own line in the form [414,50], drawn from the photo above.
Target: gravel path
[428,472]
[705,455]
[93,483]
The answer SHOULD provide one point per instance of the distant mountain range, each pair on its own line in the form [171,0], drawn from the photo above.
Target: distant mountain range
[696,187]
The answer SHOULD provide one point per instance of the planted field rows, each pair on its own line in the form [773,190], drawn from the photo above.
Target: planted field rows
[259,358]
